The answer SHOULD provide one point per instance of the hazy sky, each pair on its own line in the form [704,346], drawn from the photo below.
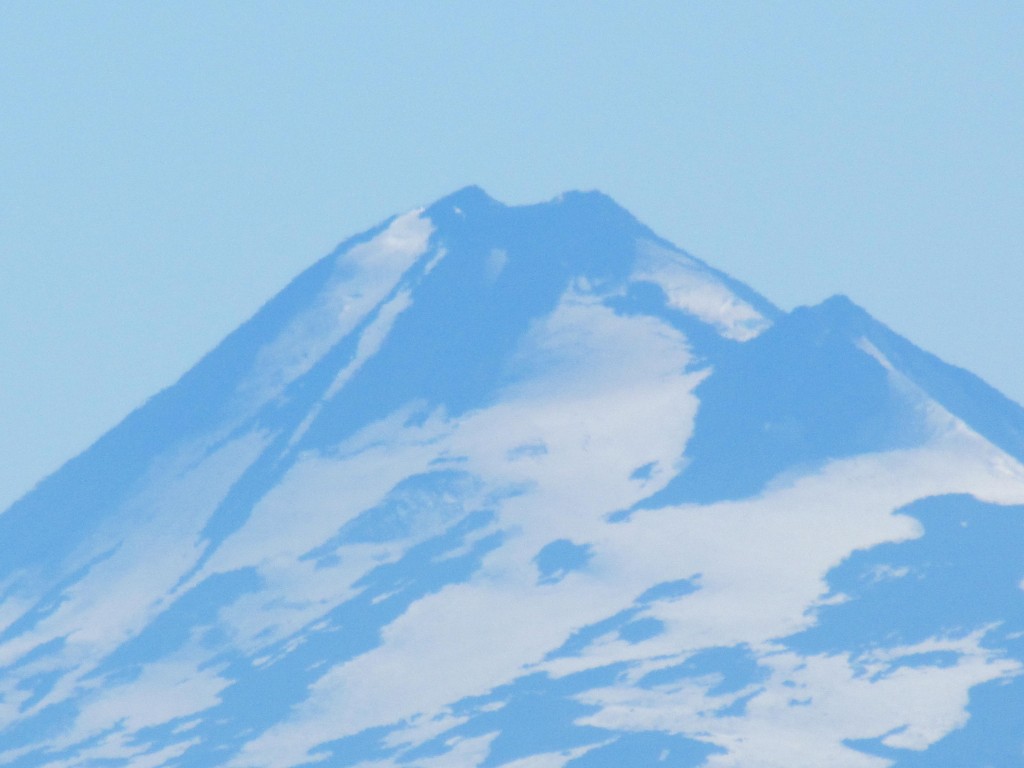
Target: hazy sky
[166,167]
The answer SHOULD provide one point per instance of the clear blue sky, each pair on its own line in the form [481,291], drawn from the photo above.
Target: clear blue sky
[167,167]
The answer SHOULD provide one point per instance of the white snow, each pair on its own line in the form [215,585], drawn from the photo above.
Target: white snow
[696,291]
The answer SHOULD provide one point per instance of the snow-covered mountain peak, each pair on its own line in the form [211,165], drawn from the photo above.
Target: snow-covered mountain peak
[528,486]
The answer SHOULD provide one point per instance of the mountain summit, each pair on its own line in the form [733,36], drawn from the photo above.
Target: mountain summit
[529,487]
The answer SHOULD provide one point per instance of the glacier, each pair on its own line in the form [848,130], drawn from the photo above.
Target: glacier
[529,486]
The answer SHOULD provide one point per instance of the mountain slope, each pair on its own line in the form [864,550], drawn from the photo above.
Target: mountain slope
[527,487]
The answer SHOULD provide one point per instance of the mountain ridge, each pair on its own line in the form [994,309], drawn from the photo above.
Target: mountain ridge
[483,461]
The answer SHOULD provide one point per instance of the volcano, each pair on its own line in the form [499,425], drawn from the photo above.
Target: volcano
[529,487]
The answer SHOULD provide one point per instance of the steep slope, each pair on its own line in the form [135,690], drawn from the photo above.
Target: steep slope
[527,487]
[824,383]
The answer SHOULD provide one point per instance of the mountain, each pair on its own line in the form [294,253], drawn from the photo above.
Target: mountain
[529,487]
